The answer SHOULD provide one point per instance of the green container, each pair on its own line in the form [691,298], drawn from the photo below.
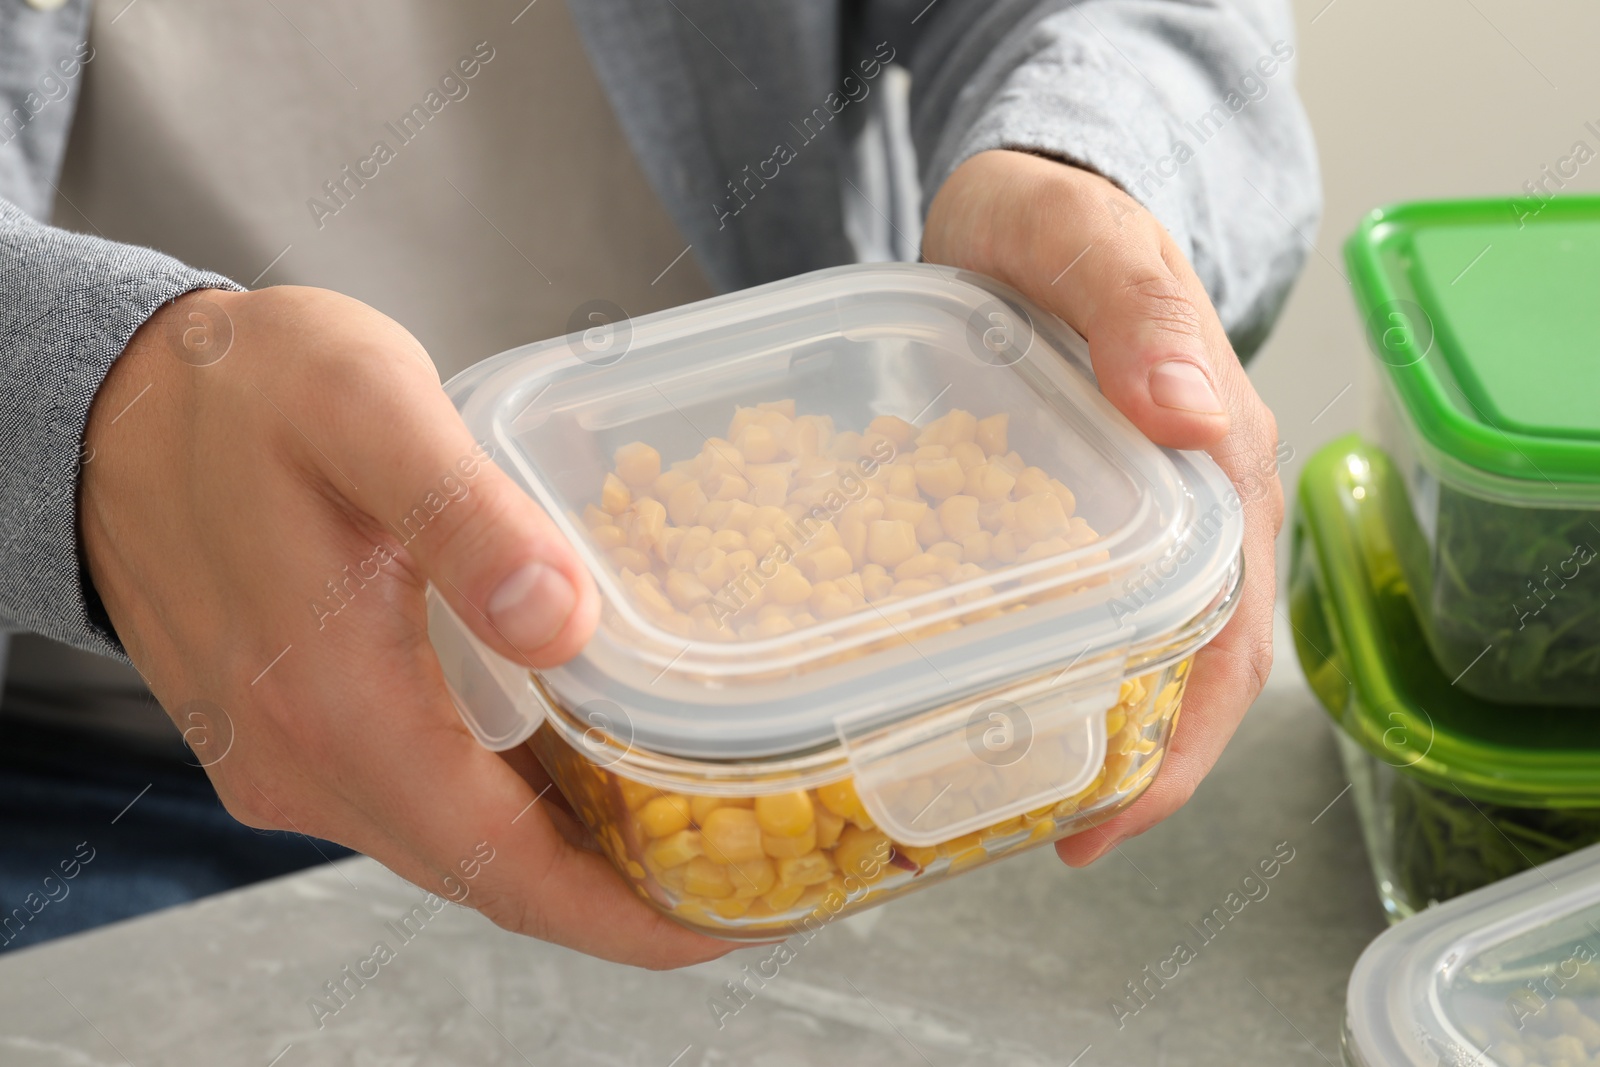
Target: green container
[1485,319]
[1452,792]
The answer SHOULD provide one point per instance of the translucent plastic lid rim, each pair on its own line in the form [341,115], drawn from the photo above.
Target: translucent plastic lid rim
[533,364]
[1395,1012]
[828,761]
[1463,477]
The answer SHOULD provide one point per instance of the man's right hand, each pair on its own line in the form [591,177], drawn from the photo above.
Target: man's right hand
[248,450]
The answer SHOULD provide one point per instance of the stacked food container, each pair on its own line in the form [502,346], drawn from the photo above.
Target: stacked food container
[889,589]
[1508,975]
[1444,585]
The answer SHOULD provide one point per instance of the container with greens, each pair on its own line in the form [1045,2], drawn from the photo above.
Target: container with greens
[1452,792]
[1485,322]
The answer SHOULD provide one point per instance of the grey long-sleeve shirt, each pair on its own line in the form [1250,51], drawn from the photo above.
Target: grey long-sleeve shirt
[1178,101]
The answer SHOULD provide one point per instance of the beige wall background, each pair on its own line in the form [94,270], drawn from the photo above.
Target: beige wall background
[1414,99]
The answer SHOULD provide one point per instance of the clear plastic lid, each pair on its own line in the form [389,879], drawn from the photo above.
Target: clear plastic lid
[1507,975]
[1133,542]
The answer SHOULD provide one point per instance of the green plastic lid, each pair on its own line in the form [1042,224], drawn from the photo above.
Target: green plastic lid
[1365,656]
[1485,315]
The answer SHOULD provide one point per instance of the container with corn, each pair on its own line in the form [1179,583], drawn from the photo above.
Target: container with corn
[890,589]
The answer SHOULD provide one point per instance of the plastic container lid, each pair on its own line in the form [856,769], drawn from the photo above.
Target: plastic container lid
[851,343]
[1484,317]
[1495,976]
[1367,659]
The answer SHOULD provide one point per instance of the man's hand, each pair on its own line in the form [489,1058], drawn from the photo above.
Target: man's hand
[275,478]
[1082,248]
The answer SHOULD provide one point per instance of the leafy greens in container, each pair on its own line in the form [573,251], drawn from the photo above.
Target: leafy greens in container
[1484,326]
[1452,792]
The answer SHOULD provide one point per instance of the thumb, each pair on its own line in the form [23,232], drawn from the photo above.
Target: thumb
[490,550]
[1151,331]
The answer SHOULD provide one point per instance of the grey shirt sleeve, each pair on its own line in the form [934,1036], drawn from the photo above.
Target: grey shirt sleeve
[1189,106]
[68,305]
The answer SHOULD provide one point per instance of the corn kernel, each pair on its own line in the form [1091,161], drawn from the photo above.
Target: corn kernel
[676,849]
[758,444]
[770,488]
[789,586]
[1031,480]
[990,433]
[939,478]
[614,496]
[685,503]
[638,465]
[732,835]
[990,481]
[783,897]
[826,563]
[863,853]
[890,542]
[961,861]
[752,878]
[808,435]
[958,516]
[829,826]
[607,536]
[919,566]
[761,540]
[669,480]
[785,814]
[913,587]
[846,445]
[1050,546]
[650,598]
[636,794]
[730,907]
[906,509]
[918,854]
[1040,515]
[686,590]
[665,815]
[629,558]
[1069,502]
[968,454]
[810,869]
[901,480]
[788,847]
[959,426]
[975,548]
[773,626]
[707,878]
[700,807]
[893,427]
[593,516]
[841,798]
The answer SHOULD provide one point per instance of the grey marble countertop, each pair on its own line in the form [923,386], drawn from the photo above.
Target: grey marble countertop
[1017,963]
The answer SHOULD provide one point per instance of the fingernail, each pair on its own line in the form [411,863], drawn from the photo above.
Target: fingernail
[531,606]
[1179,384]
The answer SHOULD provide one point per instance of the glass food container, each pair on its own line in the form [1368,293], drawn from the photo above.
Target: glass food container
[1508,976]
[1483,316]
[1452,792]
[889,589]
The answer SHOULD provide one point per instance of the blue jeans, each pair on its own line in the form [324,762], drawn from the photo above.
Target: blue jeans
[91,833]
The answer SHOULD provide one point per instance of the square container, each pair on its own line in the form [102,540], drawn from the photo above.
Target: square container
[1484,318]
[1452,792]
[1507,976]
[891,592]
